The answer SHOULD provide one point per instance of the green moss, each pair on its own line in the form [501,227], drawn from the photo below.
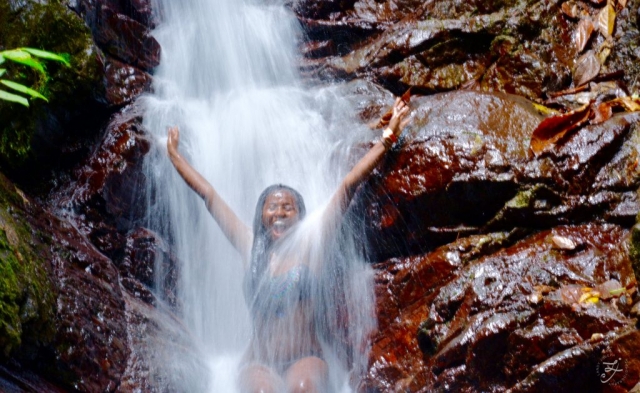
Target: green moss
[523,199]
[26,293]
[53,27]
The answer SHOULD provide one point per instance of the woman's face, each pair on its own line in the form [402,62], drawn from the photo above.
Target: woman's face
[279,213]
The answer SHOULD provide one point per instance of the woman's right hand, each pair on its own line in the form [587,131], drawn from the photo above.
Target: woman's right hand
[399,118]
[173,141]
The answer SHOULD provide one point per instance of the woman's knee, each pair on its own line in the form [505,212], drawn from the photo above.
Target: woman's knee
[307,375]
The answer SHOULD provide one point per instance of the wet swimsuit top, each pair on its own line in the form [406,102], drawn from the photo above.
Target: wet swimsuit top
[277,295]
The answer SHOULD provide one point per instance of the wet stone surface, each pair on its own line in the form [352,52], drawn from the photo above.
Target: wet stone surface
[465,167]
[524,318]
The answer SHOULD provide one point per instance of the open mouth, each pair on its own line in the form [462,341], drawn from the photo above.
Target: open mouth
[279,227]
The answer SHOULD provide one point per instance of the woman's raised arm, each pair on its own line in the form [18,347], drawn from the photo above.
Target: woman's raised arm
[234,229]
[361,171]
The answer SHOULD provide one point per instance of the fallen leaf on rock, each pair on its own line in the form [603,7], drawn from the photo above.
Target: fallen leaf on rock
[610,289]
[602,113]
[591,297]
[607,20]
[543,110]
[605,50]
[384,120]
[563,243]
[597,336]
[583,33]
[554,128]
[587,68]
[630,104]
[573,9]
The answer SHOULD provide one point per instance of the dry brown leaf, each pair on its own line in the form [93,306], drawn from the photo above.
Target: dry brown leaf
[630,104]
[554,128]
[603,55]
[573,9]
[607,20]
[622,3]
[603,112]
[583,33]
[384,120]
[587,68]
[570,9]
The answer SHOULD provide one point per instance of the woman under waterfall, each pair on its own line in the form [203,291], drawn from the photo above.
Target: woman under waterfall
[285,352]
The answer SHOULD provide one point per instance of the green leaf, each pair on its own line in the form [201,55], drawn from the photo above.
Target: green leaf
[63,58]
[2,71]
[1,59]
[13,98]
[15,54]
[616,292]
[23,89]
[22,57]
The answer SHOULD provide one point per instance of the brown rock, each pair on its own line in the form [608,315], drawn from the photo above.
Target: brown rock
[124,83]
[465,168]
[145,253]
[478,328]
[107,198]
[126,39]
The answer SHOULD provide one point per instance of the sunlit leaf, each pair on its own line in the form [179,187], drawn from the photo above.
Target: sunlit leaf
[15,54]
[23,57]
[554,128]
[13,98]
[543,110]
[583,33]
[1,59]
[587,68]
[630,104]
[2,71]
[23,89]
[63,58]
[607,20]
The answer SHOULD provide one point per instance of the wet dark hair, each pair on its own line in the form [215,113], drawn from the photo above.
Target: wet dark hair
[261,241]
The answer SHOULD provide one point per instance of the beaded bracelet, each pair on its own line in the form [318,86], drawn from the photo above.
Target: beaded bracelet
[388,138]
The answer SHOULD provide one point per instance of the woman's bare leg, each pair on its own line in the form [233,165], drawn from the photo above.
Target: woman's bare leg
[256,378]
[307,375]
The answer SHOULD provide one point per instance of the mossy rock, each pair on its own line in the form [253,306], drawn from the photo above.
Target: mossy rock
[27,295]
[51,26]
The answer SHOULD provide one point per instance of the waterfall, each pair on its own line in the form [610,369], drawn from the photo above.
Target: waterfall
[228,79]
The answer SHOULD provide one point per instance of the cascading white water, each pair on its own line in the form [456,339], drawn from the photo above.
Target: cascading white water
[228,79]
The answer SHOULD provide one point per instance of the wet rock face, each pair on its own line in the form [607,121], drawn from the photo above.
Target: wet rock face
[107,196]
[534,316]
[465,167]
[517,47]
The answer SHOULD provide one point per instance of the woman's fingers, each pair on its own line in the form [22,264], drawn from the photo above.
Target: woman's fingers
[173,137]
